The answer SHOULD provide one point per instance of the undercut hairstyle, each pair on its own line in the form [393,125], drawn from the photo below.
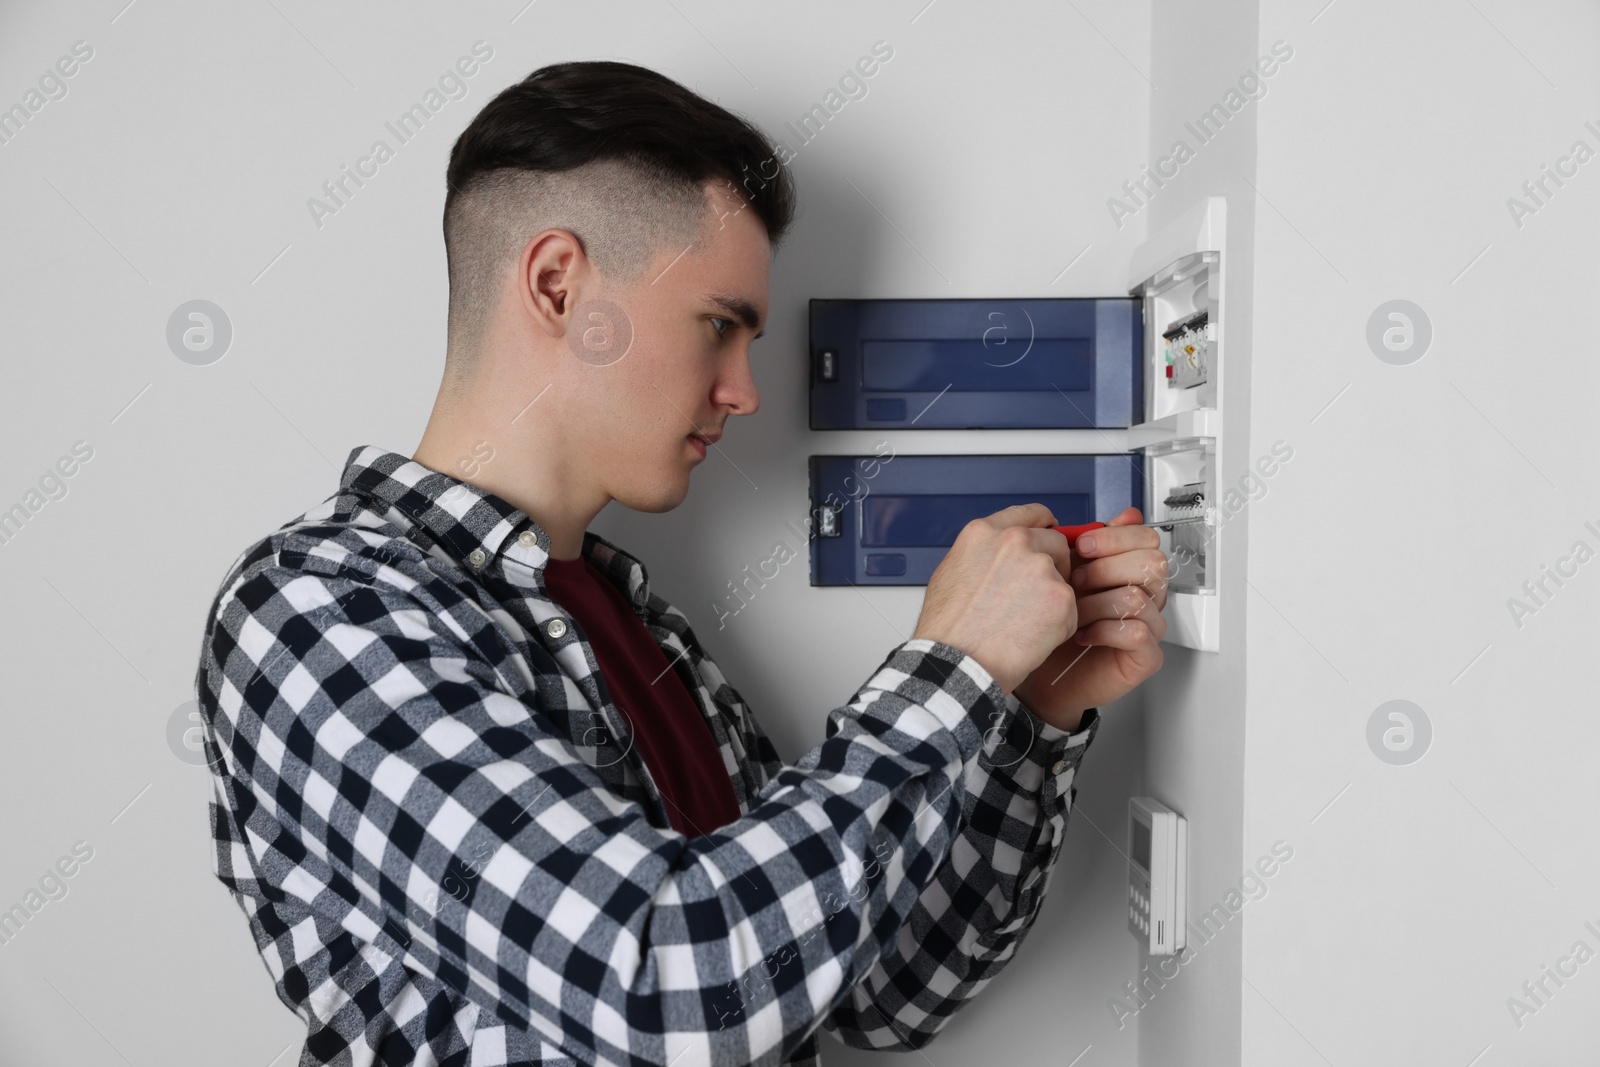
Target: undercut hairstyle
[616,153]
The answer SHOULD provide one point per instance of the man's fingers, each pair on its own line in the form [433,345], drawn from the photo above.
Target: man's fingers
[1122,604]
[1030,514]
[1128,635]
[1036,520]
[1148,568]
[1122,534]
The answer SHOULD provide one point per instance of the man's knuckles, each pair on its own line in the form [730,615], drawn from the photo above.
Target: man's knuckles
[1116,540]
[1146,567]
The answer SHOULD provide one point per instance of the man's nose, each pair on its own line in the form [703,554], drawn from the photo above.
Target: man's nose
[738,389]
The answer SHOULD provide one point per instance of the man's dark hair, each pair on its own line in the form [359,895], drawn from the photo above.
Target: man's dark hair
[616,153]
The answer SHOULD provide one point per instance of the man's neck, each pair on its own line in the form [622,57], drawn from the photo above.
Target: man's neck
[518,461]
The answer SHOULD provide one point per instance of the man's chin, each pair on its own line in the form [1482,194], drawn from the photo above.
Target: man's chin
[656,498]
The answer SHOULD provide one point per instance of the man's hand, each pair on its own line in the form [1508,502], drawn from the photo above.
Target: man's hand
[1120,576]
[1001,594]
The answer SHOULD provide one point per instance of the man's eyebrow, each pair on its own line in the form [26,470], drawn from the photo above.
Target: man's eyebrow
[741,309]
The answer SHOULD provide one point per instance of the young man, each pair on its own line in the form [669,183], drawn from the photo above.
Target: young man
[482,794]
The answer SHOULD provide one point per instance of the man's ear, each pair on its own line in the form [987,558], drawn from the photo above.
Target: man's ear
[551,273]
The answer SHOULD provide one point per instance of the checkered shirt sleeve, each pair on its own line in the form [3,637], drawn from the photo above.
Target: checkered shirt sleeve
[969,921]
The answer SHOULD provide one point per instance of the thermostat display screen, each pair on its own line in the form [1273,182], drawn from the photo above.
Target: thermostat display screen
[1141,844]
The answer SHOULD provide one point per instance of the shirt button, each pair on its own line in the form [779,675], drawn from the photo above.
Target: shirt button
[1060,765]
[528,539]
[476,557]
[555,628]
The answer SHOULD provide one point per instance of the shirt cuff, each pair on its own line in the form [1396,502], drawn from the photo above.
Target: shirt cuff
[1049,756]
[950,684]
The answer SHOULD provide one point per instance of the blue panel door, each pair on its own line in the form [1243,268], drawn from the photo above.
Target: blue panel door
[975,364]
[877,522]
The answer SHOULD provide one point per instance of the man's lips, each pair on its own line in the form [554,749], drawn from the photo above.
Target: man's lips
[707,439]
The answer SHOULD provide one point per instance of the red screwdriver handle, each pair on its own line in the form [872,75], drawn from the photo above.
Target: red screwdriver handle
[1072,532]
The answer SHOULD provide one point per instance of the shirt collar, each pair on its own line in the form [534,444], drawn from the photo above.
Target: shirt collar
[465,519]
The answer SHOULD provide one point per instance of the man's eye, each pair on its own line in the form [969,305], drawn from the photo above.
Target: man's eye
[720,324]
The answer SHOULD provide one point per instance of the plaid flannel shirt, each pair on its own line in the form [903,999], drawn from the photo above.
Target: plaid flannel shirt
[448,852]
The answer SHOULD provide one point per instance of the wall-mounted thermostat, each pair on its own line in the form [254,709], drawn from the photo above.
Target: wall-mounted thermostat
[1158,859]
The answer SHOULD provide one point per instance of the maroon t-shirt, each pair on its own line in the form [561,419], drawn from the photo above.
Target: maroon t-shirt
[668,729]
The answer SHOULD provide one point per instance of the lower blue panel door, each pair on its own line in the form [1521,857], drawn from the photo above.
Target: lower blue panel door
[891,522]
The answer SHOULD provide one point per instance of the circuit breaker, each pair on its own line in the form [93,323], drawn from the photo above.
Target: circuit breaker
[1187,345]
[1178,276]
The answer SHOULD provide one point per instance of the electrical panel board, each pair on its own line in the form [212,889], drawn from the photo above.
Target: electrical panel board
[1143,371]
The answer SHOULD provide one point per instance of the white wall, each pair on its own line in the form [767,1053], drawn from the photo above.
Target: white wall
[1194,709]
[1417,504]
[1383,557]
[178,166]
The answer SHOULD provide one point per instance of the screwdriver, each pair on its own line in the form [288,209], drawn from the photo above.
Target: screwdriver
[1072,532]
